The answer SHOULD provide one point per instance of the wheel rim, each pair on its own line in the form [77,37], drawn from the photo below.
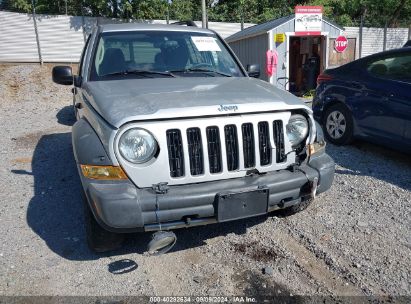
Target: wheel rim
[336,124]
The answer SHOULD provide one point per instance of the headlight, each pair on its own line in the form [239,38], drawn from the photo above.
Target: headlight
[297,129]
[137,146]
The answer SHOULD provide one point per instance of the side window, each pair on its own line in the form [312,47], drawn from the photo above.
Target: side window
[395,67]
[124,46]
[99,55]
[112,55]
[83,54]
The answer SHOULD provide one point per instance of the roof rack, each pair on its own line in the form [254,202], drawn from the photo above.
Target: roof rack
[187,23]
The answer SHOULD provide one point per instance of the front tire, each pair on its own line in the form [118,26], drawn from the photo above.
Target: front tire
[338,125]
[99,239]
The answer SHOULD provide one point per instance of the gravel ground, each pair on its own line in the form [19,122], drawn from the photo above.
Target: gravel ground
[354,240]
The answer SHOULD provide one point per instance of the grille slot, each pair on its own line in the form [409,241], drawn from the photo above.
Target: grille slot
[214,149]
[195,151]
[264,143]
[175,153]
[231,143]
[279,140]
[248,145]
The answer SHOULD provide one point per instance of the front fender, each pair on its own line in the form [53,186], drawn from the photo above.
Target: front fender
[113,203]
[87,147]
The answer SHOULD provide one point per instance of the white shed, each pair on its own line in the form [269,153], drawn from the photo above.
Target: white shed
[251,45]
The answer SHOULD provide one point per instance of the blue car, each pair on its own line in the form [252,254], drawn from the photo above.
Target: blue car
[369,98]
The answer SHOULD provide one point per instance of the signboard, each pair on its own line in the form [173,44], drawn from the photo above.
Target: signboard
[340,44]
[308,20]
[279,38]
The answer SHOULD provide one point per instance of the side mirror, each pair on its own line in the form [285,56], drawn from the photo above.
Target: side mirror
[253,70]
[62,75]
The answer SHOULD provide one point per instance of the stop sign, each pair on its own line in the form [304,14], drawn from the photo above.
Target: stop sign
[340,44]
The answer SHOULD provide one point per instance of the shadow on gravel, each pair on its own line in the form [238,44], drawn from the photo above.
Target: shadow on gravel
[262,288]
[196,236]
[190,237]
[367,159]
[66,116]
[55,212]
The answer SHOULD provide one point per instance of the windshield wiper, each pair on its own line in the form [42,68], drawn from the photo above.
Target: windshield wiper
[143,73]
[189,70]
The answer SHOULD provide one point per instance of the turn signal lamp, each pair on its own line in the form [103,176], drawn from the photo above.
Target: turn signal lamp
[316,147]
[103,172]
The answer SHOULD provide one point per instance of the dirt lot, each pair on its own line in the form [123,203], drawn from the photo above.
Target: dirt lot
[354,240]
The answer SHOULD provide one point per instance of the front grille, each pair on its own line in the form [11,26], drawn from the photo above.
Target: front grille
[248,145]
[264,143]
[175,152]
[195,151]
[226,148]
[279,141]
[231,144]
[214,149]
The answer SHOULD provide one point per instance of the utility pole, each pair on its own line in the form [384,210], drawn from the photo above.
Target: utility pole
[204,13]
[364,11]
[242,14]
[66,7]
[36,31]
[168,11]
[83,22]
[384,47]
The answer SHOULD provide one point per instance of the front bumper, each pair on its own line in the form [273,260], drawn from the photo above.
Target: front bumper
[122,207]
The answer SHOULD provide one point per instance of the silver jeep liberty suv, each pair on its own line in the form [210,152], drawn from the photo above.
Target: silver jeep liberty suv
[173,132]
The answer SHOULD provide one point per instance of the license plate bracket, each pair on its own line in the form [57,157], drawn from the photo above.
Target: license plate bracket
[238,205]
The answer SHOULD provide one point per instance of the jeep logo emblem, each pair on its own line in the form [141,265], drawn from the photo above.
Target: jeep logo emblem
[224,108]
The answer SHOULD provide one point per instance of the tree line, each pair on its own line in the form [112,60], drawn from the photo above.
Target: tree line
[378,13]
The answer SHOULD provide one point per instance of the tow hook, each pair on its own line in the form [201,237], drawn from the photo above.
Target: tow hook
[314,186]
[161,241]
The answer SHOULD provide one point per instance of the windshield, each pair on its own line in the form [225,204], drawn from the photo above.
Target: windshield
[149,54]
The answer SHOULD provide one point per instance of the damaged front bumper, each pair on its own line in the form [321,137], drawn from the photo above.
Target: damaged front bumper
[120,206]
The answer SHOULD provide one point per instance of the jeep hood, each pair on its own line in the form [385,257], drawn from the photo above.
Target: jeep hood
[121,101]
